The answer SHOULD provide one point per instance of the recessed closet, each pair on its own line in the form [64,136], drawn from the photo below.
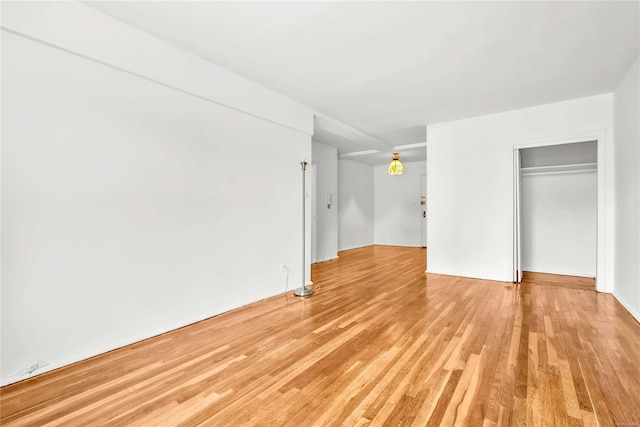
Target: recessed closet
[558,209]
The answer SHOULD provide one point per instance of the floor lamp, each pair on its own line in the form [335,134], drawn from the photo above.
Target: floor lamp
[303,291]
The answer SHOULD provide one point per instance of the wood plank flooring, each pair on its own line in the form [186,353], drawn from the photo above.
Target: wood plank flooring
[381,343]
[586,283]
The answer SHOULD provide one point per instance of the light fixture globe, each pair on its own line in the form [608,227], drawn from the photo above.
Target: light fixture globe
[396,167]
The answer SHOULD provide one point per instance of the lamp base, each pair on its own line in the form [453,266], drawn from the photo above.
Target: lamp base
[303,292]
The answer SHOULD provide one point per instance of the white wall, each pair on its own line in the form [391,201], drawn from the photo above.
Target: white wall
[626,112]
[356,212]
[559,223]
[398,214]
[325,159]
[87,32]
[131,206]
[470,183]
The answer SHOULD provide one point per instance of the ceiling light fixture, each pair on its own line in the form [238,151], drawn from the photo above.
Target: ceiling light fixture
[396,167]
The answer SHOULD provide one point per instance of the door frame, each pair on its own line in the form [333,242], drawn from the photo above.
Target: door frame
[423,208]
[517,215]
[314,212]
[604,248]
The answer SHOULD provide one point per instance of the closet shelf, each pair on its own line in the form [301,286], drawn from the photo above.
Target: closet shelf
[581,167]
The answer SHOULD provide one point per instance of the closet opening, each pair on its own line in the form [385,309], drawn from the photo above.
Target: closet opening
[556,214]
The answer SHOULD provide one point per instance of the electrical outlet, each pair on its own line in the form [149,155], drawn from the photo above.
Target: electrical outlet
[283,268]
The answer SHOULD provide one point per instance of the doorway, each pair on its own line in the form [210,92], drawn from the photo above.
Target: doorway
[556,209]
[314,212]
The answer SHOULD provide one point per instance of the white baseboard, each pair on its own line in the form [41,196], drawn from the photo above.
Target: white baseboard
[632,311]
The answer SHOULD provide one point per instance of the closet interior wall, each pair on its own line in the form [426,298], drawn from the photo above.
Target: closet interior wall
[559,209]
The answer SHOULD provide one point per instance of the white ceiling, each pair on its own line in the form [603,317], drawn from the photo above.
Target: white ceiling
[382,70]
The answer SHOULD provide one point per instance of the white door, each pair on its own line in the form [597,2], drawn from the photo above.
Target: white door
[517,221]
[423,210]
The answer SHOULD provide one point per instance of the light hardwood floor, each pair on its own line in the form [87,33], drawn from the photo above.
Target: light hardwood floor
[381,343]
[586,283]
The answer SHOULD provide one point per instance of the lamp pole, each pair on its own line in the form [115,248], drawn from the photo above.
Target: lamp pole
[303,291]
